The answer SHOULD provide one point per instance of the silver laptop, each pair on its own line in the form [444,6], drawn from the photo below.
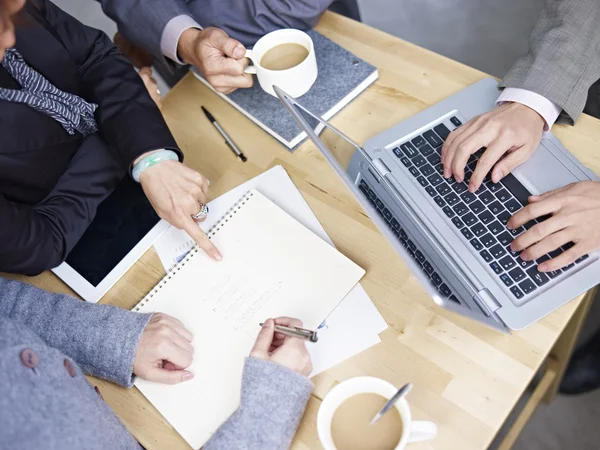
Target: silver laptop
[455,242]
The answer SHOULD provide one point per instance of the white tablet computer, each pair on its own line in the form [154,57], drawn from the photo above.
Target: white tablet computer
[124,227]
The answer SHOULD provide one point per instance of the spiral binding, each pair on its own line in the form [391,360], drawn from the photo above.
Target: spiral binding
[211,232]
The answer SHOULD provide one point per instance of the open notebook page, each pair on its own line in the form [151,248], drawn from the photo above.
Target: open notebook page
[272,266]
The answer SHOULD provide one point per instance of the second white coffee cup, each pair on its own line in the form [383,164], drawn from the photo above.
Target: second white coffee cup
[295,81]
[414,430]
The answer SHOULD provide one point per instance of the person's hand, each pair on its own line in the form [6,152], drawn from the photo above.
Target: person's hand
[217,56]
[151,84]
[136,55]
[176,193]
[164,351]
[511,134]
[575,214]
[284,350]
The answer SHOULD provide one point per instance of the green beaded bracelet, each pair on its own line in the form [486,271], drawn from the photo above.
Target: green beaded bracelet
[152,159]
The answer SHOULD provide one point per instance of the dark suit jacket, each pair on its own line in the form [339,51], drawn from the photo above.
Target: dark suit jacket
[51,182]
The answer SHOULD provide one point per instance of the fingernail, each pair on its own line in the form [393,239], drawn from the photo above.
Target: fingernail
[496,175]
[239,52]
[525,256]
[218,256]
[458,179]
[471,188]
[187,376]
[509,226]
[268,323]
[542,268]
[208,181]
[447,173]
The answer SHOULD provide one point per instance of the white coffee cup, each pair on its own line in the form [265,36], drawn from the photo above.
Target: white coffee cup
[295,81]
[413,431]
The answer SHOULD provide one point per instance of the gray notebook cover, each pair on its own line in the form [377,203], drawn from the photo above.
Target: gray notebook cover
[341,74]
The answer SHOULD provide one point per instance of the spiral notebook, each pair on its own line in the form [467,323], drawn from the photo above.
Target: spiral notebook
[272,266]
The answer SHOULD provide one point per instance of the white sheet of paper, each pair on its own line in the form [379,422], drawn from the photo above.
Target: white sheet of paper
[353,326]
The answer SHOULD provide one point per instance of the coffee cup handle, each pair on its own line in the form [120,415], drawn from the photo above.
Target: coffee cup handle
[422,430]
[250,69]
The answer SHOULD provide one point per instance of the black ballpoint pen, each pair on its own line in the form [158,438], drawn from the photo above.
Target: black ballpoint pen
[228,140]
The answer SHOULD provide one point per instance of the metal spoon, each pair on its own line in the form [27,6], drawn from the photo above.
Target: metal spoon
[392,401]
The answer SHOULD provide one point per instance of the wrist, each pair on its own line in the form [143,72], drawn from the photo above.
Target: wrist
[150,159]
[187,44]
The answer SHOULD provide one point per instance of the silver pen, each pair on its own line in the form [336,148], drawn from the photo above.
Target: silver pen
[297,332]
[234,148]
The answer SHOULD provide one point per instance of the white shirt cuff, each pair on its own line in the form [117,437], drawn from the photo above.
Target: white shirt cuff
[171,34]
[540,104]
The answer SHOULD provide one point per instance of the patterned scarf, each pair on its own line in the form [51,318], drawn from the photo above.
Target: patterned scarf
[71,111]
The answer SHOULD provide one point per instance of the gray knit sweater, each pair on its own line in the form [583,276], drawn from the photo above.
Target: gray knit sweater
[48,341]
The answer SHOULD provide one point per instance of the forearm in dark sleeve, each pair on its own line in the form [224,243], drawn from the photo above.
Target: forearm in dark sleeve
[102,339]
[564,55]
[127,117]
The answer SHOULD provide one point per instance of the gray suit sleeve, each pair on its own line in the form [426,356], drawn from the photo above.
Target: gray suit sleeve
[143,21]
[272,403]
[102,339]
[564,55]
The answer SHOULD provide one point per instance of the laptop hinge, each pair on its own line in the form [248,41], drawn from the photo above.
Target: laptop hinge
[380,167]
[484,298]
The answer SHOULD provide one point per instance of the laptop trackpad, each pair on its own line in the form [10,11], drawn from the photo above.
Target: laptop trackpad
[544,172]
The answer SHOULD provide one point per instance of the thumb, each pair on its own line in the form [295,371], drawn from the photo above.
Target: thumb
[507,164]
[229,46]
[169,375]
[264,340]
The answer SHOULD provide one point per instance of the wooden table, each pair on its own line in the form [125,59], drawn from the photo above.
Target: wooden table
[467,377]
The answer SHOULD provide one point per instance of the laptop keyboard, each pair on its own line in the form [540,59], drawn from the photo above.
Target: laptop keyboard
[480,217]
[406,242]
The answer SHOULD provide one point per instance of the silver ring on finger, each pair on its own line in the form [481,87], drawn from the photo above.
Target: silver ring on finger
[202,213]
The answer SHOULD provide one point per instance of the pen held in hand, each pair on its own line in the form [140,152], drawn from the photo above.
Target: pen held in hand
[228,141]
[297,332]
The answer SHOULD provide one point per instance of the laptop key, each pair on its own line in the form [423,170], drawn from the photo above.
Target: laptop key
[428,267]
[420,256]
[516,188]
[426,150]
[456,121]
[436,278]
[512,205]
[387,214]
[439,201]
[504,217]
[502,195]
[452,198]
[496,208]
[454,299]
[372,195]
[418,141]
[445,290]
[517,231]
[493,186]
[488,240]
[459,188]
[517,274]
[448,211]
[556,253]
[527,286]
[506,279]
[395,224]
[434,159]
[497,268]
[411,245]
[468,197]
[419,161]
[442,189]
[477,207]
[435,179]
[486,217]
[505,238]
[422,181]
[495,227]
[409,149]
[524,264]
[405,161]
[466,233]
[379,204]
[457,222]
[507,263]
[487,197]
[516,292]
[442,130]
[427,170]
[568,267]
[581,259]
[476,244]
[460,208]
[538,277]
[486,256]
[433,139]
[403,234]
[497,251]
[478,229]
[553,274]
[469,219]
[431,191]
[413,170]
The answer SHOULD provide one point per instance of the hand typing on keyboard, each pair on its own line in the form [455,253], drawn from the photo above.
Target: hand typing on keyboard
[573,226]
[511,134]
